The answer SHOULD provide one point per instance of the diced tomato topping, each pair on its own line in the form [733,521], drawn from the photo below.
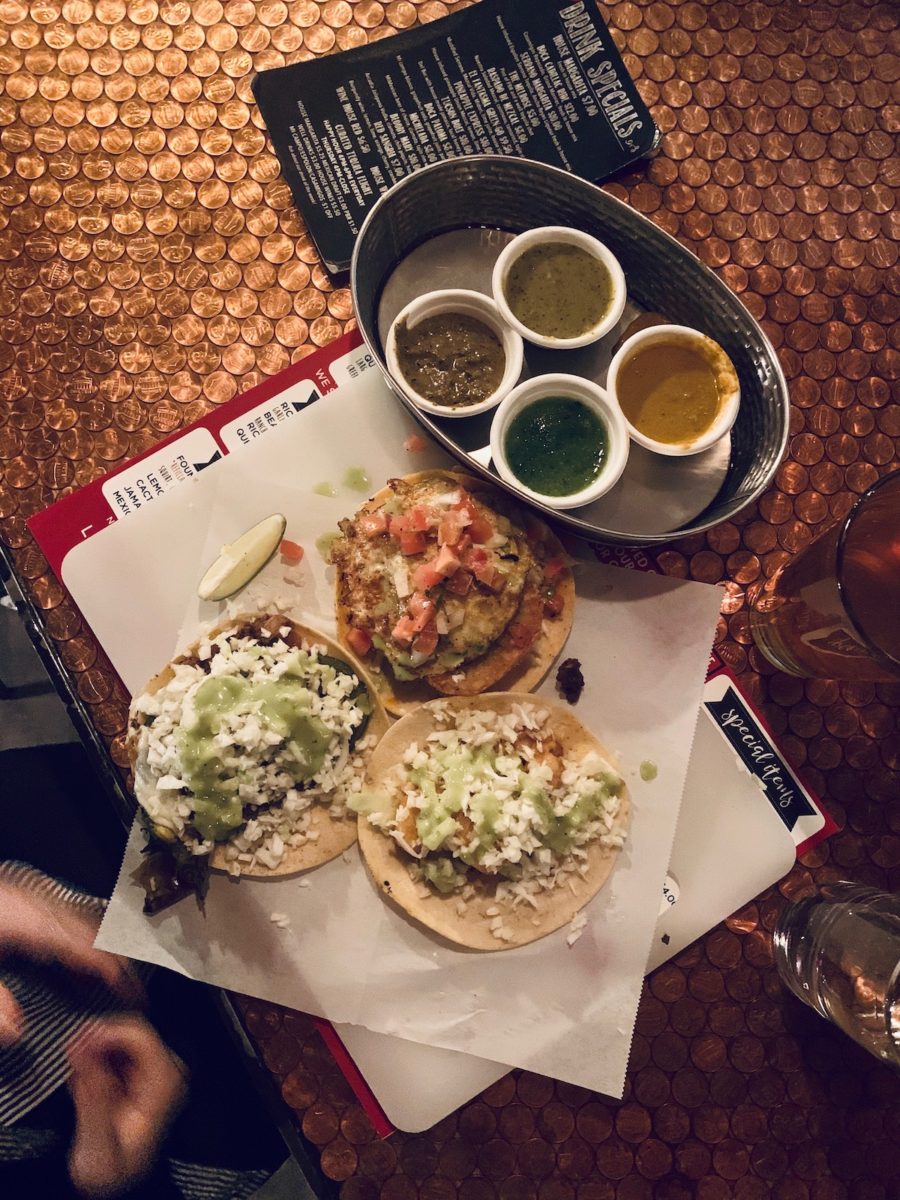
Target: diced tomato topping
[426,642]
[483,566]
[359,641]
[474,557]
[412,542]
[520,635]
[486,574]
[480,528]
[419,604]
[414,444]
[291,552]
[425,576]
[404,631]
[371,524]
[446,563]
[460,583]
[421,611]
[418,519]
[450,528]
[553,567]
[553,605]
[466,506]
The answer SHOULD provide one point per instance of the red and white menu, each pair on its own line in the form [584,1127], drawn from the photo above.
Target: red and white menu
[733,733]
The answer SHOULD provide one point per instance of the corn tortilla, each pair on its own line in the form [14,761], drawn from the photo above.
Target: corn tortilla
[388,863]
[504,665]
[335,835]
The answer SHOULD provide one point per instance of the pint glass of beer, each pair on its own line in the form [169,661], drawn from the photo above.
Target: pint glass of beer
[833,612]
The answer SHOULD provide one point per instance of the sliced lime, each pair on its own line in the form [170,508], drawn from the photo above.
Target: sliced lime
[242,559]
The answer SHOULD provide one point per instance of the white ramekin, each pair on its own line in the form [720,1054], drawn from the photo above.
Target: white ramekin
[470,304]
[573,237]
[726,380]
[569,387]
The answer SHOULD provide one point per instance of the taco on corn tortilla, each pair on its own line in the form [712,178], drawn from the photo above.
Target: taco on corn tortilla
[246,748]
[491,820]
[445,587]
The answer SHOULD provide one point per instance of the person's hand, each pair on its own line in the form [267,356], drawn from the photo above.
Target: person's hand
[126,1088]
[42,929]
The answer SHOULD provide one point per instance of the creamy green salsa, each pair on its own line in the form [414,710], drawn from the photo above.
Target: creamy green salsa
[280,706]
[556,446]
[356,479]
[457,791]
[325,541]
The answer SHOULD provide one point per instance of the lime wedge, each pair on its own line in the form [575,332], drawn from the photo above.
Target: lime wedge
[242,559]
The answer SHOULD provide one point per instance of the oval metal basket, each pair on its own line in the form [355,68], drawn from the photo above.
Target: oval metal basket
[484,193]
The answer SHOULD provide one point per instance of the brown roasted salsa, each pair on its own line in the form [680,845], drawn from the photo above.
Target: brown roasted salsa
[450,359]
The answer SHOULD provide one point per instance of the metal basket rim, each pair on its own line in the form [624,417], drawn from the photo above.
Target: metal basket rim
[585,529]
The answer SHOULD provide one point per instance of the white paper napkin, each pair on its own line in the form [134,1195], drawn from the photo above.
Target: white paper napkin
[643,642]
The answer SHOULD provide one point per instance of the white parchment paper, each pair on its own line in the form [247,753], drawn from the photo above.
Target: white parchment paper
[643,642]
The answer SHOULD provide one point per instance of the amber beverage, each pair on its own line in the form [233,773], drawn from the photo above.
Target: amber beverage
[834,611]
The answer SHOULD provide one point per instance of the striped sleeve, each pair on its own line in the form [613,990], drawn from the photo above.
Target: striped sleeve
[57,1005]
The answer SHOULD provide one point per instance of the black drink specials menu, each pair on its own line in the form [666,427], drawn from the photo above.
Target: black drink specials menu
[537,79]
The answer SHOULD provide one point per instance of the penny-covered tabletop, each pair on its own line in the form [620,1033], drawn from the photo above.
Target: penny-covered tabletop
[152,266]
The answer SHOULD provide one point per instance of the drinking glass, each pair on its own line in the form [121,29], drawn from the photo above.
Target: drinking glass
[839,952]
[832,611]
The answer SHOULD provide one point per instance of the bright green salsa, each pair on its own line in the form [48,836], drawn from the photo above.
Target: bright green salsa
[556,446]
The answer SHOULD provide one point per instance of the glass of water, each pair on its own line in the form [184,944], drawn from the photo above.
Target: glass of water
[839,952]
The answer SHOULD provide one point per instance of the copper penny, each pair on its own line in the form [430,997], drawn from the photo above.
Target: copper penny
[238,359]
[256,329]
[272,358]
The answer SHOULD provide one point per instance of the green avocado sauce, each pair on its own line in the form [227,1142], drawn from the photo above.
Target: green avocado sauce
[356,479]
[325,541]
[281,706]
[556,446]
[442,784]
[442,875]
